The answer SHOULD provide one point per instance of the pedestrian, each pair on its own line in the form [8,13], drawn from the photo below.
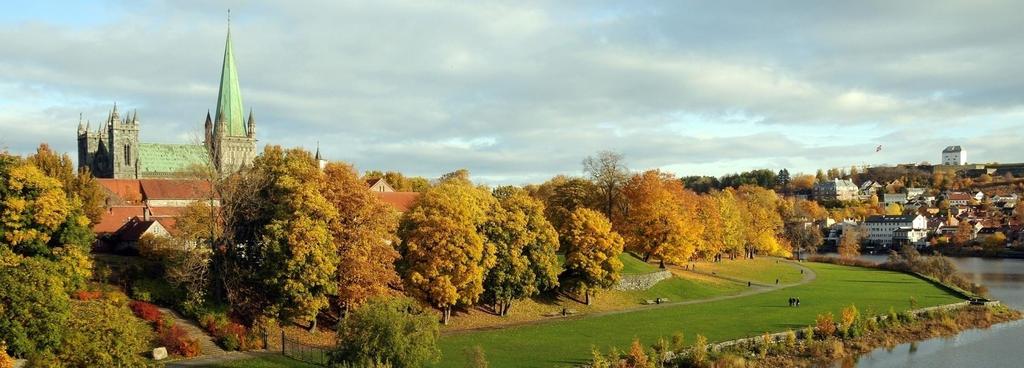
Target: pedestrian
[801,271]
[797,302]
[790,301]
[563,311]
[776,281]
[748,283]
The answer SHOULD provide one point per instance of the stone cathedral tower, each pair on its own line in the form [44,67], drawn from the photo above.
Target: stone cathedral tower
[230,138]
[114,151]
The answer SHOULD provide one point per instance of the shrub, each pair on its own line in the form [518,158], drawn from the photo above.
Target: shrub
[100,334]
[597,359]
[790,339]
[389,330]
[700,350]
[849,318]
[5,360]
[825,325]
[34,305]
[232,336]
[146,311]
[156,291]
[678,341]
[177,341]
[809,334]
[117,298]
[88,295]
[637,355]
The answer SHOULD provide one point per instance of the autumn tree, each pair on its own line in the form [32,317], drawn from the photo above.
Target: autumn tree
[34,206]
[592,253]
[803,182]
[660,218]
[445,256]
[710,242]
[562,195]
[80,185]
[280,256]
[803,237]
[764,222]
[849,244]
[525,245]
[608,171]
[731,211]
[964,233]
[365,237]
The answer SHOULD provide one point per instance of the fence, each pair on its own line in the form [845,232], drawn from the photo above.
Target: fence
[303,352]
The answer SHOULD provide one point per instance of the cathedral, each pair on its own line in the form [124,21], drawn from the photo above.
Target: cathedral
[113,150]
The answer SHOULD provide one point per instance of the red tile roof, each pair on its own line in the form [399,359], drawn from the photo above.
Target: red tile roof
[122,191]
[959,197]
[115,217]
[175,189]
[401,201]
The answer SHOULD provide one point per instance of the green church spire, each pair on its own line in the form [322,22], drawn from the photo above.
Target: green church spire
[229,99]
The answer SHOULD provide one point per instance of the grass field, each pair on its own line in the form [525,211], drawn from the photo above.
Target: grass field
[760,270]
[264,361]
[633,265]
[568,342]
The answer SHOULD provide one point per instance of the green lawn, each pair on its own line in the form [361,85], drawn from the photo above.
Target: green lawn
[764,270]
[633,265]
[567,343]
[265,361]
[680,289]
[630,264]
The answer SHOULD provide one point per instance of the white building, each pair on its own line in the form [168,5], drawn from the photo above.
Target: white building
[890,230]
[954,155]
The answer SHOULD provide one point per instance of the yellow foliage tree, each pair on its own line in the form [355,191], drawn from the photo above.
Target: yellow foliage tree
[444,254]
[34,206]
[592,253]
[660,220]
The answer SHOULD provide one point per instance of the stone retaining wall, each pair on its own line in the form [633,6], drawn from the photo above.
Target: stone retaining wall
[642,282]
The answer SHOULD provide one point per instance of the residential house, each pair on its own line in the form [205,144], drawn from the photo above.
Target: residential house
[836,190]
[888,231]
[897,198]
[379,185]
[958,198]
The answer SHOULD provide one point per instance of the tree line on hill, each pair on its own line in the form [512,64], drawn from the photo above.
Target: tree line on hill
[291,242]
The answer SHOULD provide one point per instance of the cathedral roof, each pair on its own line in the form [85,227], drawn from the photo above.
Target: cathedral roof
[158,160]
[229,99]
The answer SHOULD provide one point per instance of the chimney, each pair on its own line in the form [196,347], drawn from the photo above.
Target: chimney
[146,214]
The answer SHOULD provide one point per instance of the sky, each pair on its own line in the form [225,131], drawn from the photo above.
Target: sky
[520,91]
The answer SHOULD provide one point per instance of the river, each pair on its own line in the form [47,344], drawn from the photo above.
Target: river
[999,346]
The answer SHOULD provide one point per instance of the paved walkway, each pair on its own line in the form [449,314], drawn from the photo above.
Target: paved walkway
[756,288]
[206,344]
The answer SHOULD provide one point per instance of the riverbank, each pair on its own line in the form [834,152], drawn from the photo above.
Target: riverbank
[982,252]
[881,332]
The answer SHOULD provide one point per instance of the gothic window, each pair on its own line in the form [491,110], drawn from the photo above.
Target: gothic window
[127,154]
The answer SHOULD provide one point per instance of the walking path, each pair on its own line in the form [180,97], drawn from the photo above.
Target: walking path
[206,344]
[756,288]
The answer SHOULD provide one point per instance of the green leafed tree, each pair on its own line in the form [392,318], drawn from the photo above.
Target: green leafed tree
[279,252]
[387,332]
[525,245]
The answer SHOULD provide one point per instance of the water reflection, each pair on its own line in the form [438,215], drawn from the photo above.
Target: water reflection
[999,346]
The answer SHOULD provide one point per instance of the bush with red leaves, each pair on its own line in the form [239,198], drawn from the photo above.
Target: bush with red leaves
[177,342]
[146,311]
